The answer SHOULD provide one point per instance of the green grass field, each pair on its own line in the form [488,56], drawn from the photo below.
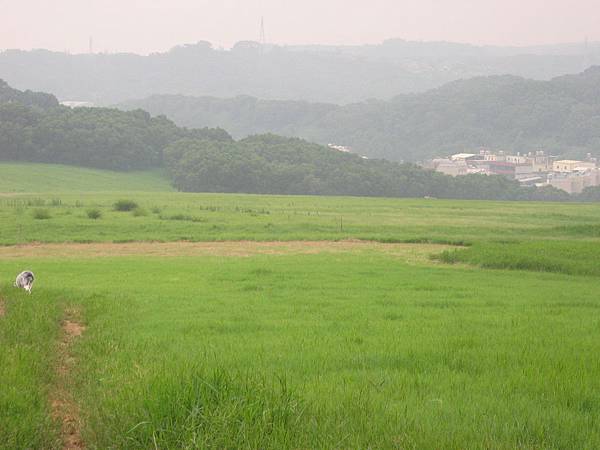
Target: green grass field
[210,217]
[328,343]
[31,177]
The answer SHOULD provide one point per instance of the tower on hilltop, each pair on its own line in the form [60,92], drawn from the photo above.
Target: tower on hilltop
[263,37]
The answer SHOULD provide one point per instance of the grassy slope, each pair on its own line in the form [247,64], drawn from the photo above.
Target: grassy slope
[25,177]
[193,352]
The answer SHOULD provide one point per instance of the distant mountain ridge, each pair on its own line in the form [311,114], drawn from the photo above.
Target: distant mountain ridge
[561,116]
[332,74]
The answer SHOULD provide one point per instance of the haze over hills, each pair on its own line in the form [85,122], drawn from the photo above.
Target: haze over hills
[334,74]
[560,116]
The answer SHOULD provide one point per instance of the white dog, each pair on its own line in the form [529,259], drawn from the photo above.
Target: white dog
[25,280]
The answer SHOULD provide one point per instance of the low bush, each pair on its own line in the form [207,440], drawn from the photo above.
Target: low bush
[125,205]
[183,217]
[94,213]
[41,214]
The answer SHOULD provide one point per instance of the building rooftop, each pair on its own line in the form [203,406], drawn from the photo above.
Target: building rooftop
[568,161]
[463,155]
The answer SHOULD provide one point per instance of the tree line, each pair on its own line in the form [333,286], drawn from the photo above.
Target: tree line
[270,164]
[36,128]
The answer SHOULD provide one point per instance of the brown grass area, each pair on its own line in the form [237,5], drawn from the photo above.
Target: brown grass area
[64,409]
[2,308]
[409,252]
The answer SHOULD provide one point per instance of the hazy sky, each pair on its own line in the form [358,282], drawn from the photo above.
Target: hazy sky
[144,26]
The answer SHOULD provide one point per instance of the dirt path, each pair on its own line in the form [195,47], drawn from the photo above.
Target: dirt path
[64,408]
[2,307]
[409,252]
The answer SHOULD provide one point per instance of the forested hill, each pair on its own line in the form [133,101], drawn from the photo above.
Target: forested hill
[334,74]
[509,113]
[209,160]
[269,164]
[35,128]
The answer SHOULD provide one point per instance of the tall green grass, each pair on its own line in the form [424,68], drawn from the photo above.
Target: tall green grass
[567,257]
[328,351]
[308,351]
[181,406]
[28,334]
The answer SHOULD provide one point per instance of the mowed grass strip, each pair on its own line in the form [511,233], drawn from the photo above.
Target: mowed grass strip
[410,253]
[345,350]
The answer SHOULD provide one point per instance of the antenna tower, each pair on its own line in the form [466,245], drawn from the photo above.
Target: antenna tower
[263,38]
[586,54]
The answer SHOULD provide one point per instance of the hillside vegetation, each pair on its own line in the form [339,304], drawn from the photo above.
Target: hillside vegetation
[35,128]
[502,113]
[209,160]
[269,164]
[38,178]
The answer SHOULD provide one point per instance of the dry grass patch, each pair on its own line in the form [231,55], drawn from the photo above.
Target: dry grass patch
[414,253]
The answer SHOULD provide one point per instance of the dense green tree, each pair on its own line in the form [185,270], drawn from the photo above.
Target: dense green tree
[589,194]
[269,164]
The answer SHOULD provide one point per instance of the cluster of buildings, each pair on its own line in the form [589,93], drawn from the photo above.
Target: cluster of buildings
[532,169]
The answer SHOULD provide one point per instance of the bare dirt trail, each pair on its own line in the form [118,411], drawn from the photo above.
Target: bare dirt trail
[64,408]
[409,252]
